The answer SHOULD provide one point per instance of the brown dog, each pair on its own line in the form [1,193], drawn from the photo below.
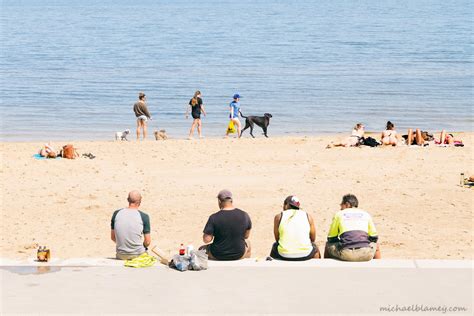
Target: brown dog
[161,135]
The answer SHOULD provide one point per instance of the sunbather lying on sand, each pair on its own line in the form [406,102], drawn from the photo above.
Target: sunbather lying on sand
[47,151]
[353,140]
[448,139]
[389,135]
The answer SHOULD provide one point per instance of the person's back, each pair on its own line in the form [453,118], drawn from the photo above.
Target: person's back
[130,225]
[130,229]
[294,232]
[352,235]
[140,108]
[228,228]
[353,226]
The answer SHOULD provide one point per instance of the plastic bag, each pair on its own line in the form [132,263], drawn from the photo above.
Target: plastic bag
[198,260]
[231,128]
[180,263]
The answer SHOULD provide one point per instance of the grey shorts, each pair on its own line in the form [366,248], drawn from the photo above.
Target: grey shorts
[121,256]
[142,118]
[336,251]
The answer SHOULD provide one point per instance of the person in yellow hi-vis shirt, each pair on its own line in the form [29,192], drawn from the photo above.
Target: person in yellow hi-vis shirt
[295,233]
[352,235]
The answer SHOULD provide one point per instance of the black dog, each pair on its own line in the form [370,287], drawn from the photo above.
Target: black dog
[261,121]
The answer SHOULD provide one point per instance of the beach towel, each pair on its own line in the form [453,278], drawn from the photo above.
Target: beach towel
[142,261]
[39,157]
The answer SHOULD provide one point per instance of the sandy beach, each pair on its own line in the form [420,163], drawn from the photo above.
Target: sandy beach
[412,193]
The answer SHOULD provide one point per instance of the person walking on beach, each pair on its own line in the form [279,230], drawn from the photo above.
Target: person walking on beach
[141,112]
[196,108]
[234,107]
[228,230]
[352,234]
[294,232]
[130,229]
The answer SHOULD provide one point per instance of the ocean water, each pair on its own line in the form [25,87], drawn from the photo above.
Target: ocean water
[72,69]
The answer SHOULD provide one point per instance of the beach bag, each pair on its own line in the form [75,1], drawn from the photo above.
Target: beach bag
[198,260]
[371,142]
[231,128]
[69,152]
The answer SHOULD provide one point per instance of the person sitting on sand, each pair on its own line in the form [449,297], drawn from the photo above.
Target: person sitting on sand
[389,135]
[141,112]
[352,234]
[294,233]
[353,140]
[130,229]
[228,230]
[48,151]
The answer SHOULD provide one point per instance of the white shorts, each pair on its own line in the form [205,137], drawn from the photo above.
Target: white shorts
[143,118]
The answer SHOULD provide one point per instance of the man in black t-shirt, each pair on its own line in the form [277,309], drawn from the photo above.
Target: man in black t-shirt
[228,230]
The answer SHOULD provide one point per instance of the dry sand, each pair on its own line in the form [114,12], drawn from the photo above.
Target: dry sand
[413,194]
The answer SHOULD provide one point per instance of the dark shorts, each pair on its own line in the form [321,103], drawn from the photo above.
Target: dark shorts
[207,248]
[196,116]
[275,255]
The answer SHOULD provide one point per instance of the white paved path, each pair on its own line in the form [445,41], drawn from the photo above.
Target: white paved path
[102,286]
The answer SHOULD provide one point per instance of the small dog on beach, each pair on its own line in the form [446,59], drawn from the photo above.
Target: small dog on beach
[160,135]
[122,135]
[262,121]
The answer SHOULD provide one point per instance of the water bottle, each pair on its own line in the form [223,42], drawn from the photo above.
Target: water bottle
[182,250]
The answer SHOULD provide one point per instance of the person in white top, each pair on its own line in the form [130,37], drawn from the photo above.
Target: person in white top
[353,140]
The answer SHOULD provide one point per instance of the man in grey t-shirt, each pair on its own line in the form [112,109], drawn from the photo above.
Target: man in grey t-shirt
[131,229]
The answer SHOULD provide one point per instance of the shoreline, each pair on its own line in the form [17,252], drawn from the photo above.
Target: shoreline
[67,204]
[132,137]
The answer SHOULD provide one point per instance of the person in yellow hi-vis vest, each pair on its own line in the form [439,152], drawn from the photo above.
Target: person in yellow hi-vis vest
[295,233]
[352,235]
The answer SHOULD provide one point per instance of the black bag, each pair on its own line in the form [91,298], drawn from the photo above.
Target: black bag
[371,142]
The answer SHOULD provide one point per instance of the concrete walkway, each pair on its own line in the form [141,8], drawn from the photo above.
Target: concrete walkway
[98,286]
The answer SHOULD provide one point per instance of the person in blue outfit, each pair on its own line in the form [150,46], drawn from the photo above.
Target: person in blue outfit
[234,107]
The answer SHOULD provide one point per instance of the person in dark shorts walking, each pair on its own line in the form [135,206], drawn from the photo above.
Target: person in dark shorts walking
[196,108]
[228,230]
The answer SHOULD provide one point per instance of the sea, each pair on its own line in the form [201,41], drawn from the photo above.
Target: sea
[72,70]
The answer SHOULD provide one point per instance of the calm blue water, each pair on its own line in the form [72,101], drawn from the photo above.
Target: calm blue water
[72,69]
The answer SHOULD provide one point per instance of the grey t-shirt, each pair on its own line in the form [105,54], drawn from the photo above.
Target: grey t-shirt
[129,226]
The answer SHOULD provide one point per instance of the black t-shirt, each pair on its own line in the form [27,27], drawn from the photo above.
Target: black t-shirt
[228,228]
[196,109]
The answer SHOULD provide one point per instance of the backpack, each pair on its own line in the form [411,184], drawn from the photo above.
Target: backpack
[371,142]
[69,152]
